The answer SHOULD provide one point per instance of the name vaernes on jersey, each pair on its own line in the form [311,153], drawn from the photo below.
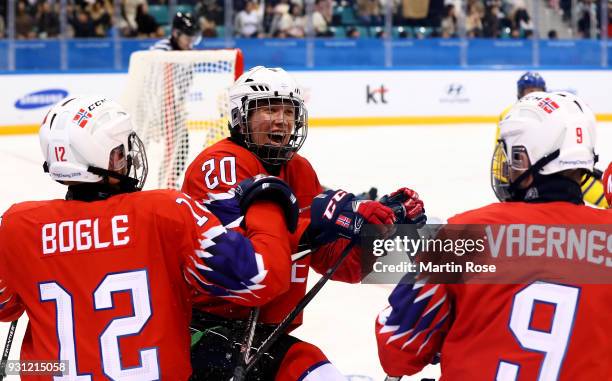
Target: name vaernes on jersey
[592,244]
[85,235]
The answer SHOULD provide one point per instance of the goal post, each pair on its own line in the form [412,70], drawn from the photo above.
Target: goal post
[179,105]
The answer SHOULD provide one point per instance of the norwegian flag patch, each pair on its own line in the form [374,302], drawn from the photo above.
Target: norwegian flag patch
[344,221]
[81,118]
[548,105]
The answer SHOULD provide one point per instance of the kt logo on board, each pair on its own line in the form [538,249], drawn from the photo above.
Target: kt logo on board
[376,95]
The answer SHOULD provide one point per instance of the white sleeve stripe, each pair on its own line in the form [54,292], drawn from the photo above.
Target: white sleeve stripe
[435,305]
[388,328]
[235,223]
[203,254]
[214,232]
[202,267]
[206,243]
[395,337]
[427,294]
[198,279]
[431,333]
[411,340]
[219,196]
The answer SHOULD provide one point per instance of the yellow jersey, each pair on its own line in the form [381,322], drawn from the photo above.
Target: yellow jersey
[592,187]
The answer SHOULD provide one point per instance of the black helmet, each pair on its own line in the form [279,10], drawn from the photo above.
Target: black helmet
[184,23]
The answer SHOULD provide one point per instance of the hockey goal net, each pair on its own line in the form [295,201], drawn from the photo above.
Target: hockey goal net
[179,105]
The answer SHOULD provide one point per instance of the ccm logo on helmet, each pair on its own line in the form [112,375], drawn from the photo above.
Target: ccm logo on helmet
[82,117]
[92,106]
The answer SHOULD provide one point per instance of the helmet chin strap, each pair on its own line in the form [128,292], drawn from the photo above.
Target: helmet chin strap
[126,183]
[518,194]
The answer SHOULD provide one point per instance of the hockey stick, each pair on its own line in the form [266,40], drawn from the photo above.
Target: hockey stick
[7,348]
[282,327]
[240,371]
[245,349]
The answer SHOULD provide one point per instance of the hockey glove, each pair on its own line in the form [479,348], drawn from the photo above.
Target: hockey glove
[230,207]
[335,214]
[407,206]
[607,183]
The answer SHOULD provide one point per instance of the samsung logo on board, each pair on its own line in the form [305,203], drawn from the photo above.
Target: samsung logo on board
[41,99]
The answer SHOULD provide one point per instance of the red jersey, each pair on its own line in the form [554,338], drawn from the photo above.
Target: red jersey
[538,331]
[107,284]
[220,168]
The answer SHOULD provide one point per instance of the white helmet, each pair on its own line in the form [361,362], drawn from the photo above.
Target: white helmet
[257,89]
[86,139]
[555,130]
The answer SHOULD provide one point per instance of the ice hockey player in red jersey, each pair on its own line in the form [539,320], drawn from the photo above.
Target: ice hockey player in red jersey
[269,124]
[607,181]
[507,332]
[107,275]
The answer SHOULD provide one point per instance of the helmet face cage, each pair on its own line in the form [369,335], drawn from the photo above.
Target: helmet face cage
[500,180]
[274,128]
[137,164]
[501,167]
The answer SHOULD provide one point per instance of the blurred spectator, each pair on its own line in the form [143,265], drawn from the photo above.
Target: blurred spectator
[552,34]
[283,19]
[47,21]
[24,22]
[248,22]
[211,10]
[129,8]
[449,22]
[268,19]
[554,5]
[415,9]
[81,23]
[2,26]
[523,27]
[320,22]
[609,19]
[147,25]
[566,8]
[491,21]
[101,12]
[369,12]
[353,32]
[209,28]
[585,11]
[473,21]
[298,23]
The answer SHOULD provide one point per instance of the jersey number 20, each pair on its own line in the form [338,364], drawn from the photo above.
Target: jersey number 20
[553,344]
[226,170]
[137,284]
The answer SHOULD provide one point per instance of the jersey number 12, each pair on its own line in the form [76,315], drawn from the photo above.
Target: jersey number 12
[137,284]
